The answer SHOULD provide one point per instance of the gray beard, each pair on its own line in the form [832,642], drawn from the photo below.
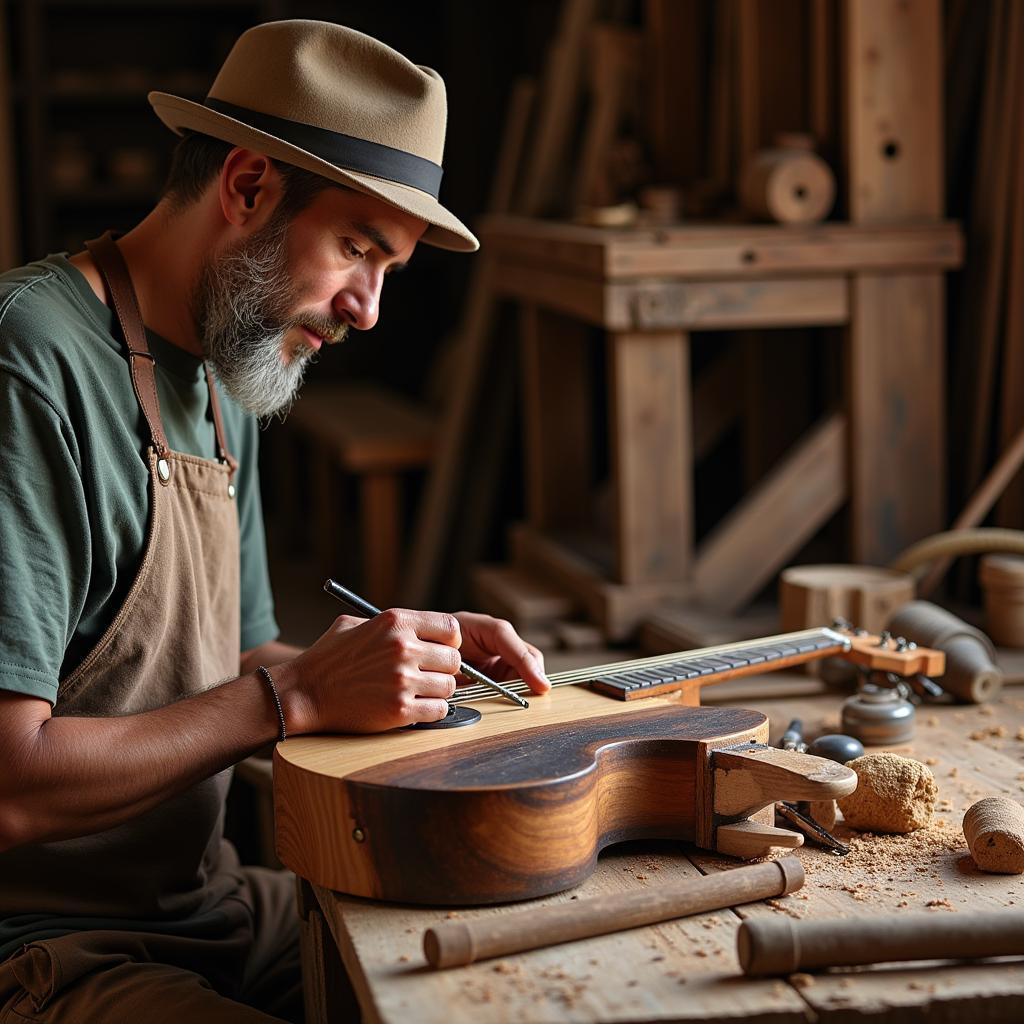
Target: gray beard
[241,304]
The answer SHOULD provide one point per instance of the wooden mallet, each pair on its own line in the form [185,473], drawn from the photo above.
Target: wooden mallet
[456,943]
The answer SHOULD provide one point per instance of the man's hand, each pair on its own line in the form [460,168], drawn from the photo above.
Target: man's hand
[368,675]
[496,649]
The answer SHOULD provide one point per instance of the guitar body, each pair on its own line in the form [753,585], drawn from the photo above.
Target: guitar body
[519,804]
[514,807]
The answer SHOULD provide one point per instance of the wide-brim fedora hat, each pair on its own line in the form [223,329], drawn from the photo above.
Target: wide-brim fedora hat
[336,102]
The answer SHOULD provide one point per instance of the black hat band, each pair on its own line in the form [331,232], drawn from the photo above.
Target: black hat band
[345,151]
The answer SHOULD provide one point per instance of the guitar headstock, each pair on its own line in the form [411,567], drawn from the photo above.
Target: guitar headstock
[886,653]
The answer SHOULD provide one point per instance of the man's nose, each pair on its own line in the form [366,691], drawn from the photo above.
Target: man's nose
[358,303]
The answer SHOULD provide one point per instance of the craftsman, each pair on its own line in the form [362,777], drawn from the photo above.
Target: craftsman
[138,650]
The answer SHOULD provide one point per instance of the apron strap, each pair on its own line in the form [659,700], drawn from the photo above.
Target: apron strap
[218,425]
[112,267]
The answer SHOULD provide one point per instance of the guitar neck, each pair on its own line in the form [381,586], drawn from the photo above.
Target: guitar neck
[665,673]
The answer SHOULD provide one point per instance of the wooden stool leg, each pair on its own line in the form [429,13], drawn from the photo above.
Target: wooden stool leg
[327,992]
[379,498]
[652,464]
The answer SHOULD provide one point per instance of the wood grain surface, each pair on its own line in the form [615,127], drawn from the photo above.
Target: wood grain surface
[686,970]
[506,809]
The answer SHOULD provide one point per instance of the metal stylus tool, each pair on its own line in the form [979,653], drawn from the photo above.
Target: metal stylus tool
[368,611]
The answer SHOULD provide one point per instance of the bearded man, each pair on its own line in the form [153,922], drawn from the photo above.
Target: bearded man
[139,657]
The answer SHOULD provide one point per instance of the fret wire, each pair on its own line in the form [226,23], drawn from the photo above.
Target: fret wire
[473,693]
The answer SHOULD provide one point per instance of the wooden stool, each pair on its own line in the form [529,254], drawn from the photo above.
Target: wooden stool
[372,435]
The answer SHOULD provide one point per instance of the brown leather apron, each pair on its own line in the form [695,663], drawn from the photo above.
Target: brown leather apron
[177,634]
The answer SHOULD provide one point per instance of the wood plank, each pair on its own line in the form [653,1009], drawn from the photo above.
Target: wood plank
[894,131]
[582,299]
[617,608]
[698,252]
[556,418]
[681,970]
[651,456]
[721,305]
[560,88]
[895,355]
[821,92]
[615,60]
[748,84]
[758,537]
[674,62]
[1011,506]
[517,123]
[978,330]
[704,305]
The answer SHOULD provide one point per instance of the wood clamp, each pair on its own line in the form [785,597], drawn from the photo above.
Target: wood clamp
[748,780]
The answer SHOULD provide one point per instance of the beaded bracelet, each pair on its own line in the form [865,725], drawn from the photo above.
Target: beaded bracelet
[265,673]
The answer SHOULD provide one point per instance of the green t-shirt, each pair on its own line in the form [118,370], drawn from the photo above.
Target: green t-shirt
[74,483]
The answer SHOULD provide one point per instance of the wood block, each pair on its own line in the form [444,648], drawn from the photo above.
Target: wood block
[894,141]
[521,597]
[864,595]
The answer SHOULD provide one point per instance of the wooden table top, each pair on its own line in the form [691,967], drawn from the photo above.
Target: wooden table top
[686,970]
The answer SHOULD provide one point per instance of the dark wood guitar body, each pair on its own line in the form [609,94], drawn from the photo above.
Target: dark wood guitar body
[508,818]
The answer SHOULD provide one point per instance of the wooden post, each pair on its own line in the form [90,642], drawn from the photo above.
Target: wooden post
[651,446]
[895,387]
[894,142]
[556,418]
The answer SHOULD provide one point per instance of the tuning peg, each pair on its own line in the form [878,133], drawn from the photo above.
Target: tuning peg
[925,687]
[884,638]
[841,624]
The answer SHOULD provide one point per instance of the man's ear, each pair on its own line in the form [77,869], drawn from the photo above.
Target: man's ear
[250,188]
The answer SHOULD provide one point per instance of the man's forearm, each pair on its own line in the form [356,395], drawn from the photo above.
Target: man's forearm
[75,776]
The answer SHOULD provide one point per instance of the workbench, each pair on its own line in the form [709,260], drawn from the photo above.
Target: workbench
[881,451]
[686,970]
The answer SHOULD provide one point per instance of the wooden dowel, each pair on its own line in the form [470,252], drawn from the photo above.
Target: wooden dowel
[456,943]
[779,945]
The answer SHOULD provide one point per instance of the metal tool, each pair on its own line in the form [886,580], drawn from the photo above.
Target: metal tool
[806,825]
[793,737]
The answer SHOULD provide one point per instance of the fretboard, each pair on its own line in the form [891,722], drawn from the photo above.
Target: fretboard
[648,677]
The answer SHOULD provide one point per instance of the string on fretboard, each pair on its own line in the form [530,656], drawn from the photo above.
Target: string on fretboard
[627,679]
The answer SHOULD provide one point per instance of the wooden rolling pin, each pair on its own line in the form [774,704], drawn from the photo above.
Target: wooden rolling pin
[456,943]
[779,945]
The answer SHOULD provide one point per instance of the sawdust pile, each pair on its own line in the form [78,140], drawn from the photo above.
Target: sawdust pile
[891,870]
[893,794]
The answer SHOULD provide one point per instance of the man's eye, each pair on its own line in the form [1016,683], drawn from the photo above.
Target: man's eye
[352,250]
